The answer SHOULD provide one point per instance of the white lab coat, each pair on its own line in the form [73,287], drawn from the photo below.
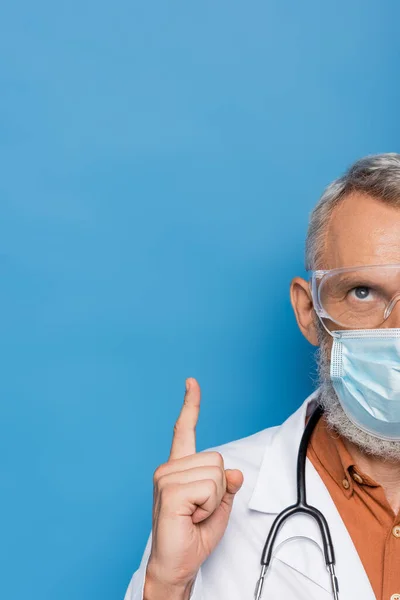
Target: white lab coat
[268,462]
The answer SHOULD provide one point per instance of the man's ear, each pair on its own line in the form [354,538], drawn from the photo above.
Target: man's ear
[300,297]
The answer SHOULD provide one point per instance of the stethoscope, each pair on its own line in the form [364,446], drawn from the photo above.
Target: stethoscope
[301,507]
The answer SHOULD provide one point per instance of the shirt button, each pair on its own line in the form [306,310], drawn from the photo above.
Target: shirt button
[359,479]
[396,533]
[346,486]
[395,597]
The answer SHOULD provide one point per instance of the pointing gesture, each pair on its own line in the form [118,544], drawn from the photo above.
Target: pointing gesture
[184,440]
[193,498]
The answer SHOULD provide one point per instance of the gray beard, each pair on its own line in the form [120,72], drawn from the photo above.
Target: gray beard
[336,417]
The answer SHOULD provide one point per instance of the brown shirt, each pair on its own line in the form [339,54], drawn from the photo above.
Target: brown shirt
[362,504]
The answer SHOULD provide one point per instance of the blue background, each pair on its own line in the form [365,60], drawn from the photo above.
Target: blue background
[158,164]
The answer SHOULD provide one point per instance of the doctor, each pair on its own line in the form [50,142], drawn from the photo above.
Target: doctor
[213,510]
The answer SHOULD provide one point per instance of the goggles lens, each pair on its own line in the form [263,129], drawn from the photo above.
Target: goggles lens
[359,298]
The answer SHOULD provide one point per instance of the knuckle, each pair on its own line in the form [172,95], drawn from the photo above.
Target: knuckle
[217,458]
[168,491]
[162,482]
[212,486]
[178,427]
[183,426]
[218,473]
[158,473]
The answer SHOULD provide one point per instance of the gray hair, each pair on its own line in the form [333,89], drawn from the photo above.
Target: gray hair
[377,175]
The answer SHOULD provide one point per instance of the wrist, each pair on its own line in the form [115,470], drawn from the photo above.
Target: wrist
[155,589]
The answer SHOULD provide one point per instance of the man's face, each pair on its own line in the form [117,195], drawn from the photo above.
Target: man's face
[362,231]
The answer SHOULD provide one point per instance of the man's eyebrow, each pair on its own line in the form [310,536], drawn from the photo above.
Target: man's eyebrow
[354,276]
[364,278]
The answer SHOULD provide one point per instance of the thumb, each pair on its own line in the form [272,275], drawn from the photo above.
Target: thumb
[217,522]
[234,481]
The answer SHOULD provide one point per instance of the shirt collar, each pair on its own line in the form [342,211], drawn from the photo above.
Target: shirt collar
[328,449]
[330,455]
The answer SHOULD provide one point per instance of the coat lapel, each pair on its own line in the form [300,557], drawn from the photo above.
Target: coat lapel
[299,543]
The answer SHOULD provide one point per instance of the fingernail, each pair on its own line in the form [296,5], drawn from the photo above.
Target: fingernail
[187,385]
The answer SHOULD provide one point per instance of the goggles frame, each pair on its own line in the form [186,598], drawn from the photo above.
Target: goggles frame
[316,277]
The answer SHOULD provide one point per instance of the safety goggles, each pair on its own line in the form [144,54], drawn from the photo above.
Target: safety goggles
[356,297]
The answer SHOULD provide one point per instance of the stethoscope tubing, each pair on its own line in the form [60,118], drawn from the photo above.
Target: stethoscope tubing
[301,507]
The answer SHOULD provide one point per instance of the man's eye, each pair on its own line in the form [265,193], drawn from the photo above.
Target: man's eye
[361,292]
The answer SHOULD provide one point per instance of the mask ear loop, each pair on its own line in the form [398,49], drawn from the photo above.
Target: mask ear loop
[334,334]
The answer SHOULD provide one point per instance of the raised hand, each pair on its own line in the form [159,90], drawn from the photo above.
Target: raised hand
[193,497]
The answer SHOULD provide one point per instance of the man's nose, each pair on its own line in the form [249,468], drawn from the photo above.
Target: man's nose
[393,319]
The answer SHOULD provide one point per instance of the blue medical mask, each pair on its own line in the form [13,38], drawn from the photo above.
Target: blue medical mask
[365,373]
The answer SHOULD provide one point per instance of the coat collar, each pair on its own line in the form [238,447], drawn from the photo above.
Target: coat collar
[278,468]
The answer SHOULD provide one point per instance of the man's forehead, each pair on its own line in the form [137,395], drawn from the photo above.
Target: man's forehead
[362,231]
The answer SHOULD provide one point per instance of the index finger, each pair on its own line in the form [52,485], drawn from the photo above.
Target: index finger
[184,440]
